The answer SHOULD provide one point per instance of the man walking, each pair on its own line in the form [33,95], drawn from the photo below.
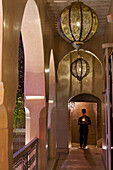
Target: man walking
[84,121]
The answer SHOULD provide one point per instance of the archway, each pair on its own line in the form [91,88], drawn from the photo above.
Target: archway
[68,86]
[34,88]
[52,109]
[93,106]
[19,111]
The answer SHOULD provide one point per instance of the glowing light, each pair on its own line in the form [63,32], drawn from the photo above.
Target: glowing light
[51,101]
[70,145]
[83,120]
[78,24]
[35,97]
[46,146]
[4,24]
[104,147]
[46,70]
[80,69]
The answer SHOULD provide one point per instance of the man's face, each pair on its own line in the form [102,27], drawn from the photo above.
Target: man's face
[84,113]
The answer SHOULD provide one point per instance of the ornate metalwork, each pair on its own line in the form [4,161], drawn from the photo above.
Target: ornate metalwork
[80,68]
[78,23]
[27,157]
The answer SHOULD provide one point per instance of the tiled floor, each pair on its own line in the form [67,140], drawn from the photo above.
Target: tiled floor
[80,159]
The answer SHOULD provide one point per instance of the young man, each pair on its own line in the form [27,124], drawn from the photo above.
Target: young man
[84,121]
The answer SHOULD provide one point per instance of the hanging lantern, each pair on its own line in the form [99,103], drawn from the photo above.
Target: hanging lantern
[78,23]
[80,68]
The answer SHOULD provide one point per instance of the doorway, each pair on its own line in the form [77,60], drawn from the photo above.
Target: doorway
[75,113]
[92,104]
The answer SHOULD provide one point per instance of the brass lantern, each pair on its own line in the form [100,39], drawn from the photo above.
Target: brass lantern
[78,23]
[80,68]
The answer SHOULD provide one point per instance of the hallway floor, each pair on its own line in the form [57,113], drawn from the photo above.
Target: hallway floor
[80,159]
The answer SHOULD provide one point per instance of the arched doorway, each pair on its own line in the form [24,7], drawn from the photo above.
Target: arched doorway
[93,106]
[68,86]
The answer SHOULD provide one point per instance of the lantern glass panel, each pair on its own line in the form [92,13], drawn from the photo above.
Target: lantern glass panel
[94,26]
[86,22]
[75,21]
[65,24]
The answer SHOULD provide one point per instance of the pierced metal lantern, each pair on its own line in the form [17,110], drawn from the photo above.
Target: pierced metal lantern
[80,68]
[78,23]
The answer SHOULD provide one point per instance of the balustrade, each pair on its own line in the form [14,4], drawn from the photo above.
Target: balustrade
[27,157]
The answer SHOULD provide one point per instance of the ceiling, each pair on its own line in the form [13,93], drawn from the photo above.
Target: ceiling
[101,7]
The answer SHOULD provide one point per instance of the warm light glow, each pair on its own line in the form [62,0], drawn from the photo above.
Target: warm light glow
[79,69]
[35,97]
[78,24]
[104,147]
[70,145]
[83,120]
[4,24]
[51,101]
[46,146]
[46,70]
[71,106]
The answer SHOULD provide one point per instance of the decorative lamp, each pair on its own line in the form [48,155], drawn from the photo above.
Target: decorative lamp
[79,68]
[78,23]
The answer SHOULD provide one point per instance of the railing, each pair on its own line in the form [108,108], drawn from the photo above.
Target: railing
[27,157]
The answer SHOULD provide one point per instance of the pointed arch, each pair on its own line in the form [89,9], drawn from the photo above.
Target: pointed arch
[68,86]
[52,87]
[34,84]
[52,109]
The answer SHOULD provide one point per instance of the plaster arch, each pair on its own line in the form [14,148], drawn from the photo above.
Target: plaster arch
[34,88]
[52,109]
[68,86]
[52,87]
[95,75]
[12,19]
[10,38]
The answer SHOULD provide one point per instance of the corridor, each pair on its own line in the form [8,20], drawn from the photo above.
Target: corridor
[80,159]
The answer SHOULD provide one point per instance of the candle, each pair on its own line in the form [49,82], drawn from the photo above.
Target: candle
[83,119]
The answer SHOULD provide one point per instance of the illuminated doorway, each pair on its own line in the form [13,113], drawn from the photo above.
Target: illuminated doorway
[75,113]
[92,104]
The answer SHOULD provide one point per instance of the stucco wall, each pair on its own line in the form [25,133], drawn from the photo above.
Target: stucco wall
[62,48]
[68,86]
